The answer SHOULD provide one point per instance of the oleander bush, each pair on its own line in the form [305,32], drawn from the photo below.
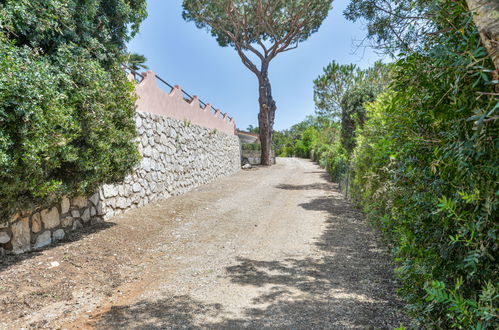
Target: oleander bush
[66,106]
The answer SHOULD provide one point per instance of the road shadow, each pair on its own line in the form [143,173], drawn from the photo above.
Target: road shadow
[347,284]
[177,312]
[350,285]
[324,184]
[312,186]
[12,259]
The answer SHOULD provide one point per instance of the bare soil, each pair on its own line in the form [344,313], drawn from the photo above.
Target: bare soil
[274,247]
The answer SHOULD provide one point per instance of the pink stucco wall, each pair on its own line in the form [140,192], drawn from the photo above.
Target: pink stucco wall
[153,99]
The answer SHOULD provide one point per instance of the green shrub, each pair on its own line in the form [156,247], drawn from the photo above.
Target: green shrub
[252,146]
[425,169]
[66,107]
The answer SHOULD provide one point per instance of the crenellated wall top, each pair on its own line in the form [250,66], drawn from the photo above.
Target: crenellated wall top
[152,99]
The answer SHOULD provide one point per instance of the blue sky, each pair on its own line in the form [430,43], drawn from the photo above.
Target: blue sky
[184,55]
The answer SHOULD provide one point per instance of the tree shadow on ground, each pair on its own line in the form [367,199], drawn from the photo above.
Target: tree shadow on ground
[347,284]
[324,185]
[12,259]
[177,312]
[312,186]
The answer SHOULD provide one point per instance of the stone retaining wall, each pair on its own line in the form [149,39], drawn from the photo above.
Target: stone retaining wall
[177,157]
[31,231]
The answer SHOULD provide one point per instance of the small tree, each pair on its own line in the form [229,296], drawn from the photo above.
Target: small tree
[337,79]
[261,29]
[137,61]
[330,87]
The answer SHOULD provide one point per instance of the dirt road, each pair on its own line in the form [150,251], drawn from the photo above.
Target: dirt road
[266,248]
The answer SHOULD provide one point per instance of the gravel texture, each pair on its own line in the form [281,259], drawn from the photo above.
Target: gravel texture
[270,247]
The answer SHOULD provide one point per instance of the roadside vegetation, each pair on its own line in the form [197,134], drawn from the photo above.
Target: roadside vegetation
[66,106]
[414,144]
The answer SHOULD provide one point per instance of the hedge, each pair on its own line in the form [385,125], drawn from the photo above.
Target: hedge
[66,107]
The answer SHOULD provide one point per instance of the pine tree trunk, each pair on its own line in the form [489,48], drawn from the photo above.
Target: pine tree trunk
[266,118]
[486,18]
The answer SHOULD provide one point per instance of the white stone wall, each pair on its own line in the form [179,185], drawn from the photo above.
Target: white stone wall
[176,157]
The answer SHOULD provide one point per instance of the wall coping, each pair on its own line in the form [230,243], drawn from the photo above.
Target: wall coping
[152,99]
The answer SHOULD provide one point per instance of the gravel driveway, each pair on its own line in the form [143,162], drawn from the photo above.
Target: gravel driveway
[265,248]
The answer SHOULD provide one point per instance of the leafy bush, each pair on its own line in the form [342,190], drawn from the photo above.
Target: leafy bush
[426,171]
[421,159]
[66,107]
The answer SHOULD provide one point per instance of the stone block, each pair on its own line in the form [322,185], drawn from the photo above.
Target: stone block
[76,225]
[144,141]
[58,235]
[109,215]
[67,222]
[100,209]
[4,237]
[138,121]
[21,236]
[79,201]
[146,164]
[75,213]
[147,151]
[111,203]
[85,216]
[136,187]
[95,198]
[65,205]
[43,240]
[109,190]
[128,180]
[50,218]
[36,223]
[122,203]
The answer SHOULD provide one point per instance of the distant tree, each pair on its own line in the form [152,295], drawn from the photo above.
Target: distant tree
[261,30]
[337,79]
[353,114]
[137,61]
[394,25]
[330,87]
[280,141]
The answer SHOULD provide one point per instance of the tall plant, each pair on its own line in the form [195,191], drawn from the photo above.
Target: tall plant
[426,168]
[260,29]
[66,107]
